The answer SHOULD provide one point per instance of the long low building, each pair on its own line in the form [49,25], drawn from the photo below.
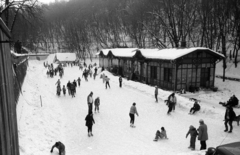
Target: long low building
[171,69]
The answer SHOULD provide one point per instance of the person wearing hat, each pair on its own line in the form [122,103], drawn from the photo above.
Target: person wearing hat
[193,133]
[133,111]
[156,93]
[202,135]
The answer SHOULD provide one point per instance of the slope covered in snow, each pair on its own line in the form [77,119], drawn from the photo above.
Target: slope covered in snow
[44,118]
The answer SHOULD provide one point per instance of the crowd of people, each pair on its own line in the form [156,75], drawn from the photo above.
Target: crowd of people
[201,133]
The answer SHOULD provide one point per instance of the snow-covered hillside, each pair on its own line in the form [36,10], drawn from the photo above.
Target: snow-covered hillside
[44,118]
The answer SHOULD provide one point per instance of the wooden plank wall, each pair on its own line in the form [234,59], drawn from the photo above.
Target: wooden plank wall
[8,119]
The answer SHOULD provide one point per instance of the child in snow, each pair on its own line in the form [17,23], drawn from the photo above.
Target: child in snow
[97,103]
[64,90]
[58,90]
[161,135]
[89,123]
[193,133]
[60,146]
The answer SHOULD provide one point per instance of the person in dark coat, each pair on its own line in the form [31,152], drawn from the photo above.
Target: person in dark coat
[64,90]
[97,103]
[95,69]
[60,146]
[193,133]
[172,100]
[89,123]
[75,84]
[107,82]
[203,134]
[229,117]
[69,87]
[196,107]
[79,81]
[120,82]
[156,93]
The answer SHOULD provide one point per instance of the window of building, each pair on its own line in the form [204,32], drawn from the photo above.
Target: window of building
[153,71]
[168,74]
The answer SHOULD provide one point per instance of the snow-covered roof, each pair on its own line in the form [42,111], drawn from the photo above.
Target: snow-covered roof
[123,52]
[50,58]
[164,54]
[172,53]
[119,52]
[66,56]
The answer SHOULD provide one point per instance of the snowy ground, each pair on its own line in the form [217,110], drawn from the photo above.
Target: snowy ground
[41,124]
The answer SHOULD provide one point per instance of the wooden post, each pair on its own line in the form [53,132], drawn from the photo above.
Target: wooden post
[175,82]
[41,100]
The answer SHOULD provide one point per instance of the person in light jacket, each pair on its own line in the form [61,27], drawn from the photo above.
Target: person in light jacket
[90,102]
[133,111]
[202,134]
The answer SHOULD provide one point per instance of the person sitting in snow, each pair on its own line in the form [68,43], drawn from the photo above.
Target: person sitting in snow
[161,135]
[196,107]
[60,146]
[193,133]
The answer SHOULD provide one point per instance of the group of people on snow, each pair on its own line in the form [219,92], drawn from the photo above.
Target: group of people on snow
[89,118]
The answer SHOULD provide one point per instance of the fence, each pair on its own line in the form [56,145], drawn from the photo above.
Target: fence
[8,119]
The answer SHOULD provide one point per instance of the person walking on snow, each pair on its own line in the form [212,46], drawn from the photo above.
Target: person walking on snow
[64,90]
[229,117]
[120,82]
[58,90]
[90,102]
[107,82]
[133,111]
[171,102]
[203,134]
[79,81]
[58,82]
[193,133]
[69,87]
[89,123]
[156,93]
[97,103]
